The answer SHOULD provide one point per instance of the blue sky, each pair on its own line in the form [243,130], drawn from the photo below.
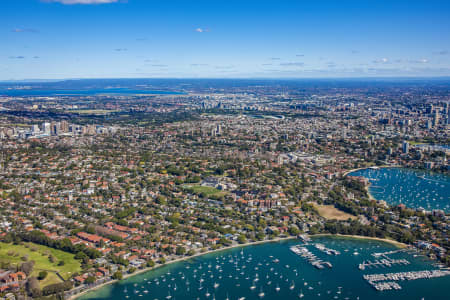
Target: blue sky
[52,39]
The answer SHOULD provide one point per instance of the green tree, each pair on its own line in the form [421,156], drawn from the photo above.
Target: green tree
[90,280]
[42,275]
[180,250]
[242,239]
[117,275]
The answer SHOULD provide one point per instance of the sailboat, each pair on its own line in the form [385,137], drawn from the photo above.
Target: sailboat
[292,286]
[261,293]
[301,294]
[168,296]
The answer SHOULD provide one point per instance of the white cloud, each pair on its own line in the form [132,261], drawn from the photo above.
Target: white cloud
[82,1]
[201,30]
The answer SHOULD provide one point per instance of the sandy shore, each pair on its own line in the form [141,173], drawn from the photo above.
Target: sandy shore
[395,243]
[178,260]
[363,168]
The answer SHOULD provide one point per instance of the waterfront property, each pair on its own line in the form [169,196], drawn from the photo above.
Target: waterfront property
[278,273]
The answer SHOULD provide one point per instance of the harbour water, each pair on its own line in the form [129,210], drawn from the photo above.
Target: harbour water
[414,188]
[274,271]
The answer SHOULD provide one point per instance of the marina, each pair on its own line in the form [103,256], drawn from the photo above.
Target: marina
[326,250]
[276,271]
[383,282]
[384,263]
[310,257]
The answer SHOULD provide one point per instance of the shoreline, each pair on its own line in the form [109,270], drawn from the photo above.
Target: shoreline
[138,272]
[371,197]
[360,237]
[364,168]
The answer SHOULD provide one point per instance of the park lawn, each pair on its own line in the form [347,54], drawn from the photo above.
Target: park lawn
[207,190]
[332,213]
[40,257]
[413,143]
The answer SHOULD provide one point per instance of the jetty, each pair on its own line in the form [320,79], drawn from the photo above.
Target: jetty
[305,238]
[384,263]
[326,250]
[379,254]
[388,281]
[310,257]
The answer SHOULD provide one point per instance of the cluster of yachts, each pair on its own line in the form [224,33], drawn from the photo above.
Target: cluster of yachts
[385,285]
[258,276]
[206,277]
[407,187]
[383,282]
[326,250]
[312,259]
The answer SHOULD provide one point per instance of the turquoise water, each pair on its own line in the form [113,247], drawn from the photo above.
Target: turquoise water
[235,272]
[414,188]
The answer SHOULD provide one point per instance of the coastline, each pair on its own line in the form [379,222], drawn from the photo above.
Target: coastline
[392,242]
[364,168]
[138,272]
[371,197]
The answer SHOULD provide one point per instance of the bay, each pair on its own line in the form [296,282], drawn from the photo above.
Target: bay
[232,273]
[414,188]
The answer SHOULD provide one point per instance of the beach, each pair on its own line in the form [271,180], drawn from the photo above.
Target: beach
[395,243]
[178,260]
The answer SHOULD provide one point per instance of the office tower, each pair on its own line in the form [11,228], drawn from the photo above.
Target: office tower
[405,147]
[46,128]
[35,129]
[64,126]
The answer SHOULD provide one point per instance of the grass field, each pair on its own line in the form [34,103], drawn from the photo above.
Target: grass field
[207,190]
[412,143]
[330,212]
[14,253]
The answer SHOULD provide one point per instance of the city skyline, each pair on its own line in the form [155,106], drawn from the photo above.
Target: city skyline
[60,39]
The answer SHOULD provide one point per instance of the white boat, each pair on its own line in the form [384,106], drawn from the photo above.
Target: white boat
[216,285]
[292,286]
[261,294]
[277,288]
[301,294]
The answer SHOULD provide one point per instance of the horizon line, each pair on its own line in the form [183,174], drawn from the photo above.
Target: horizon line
[37,80]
